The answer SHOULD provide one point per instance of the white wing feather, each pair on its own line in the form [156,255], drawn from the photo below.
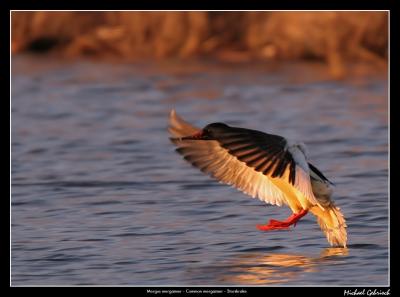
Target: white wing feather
[302,180]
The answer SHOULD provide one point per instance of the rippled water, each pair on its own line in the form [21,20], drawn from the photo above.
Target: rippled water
[100,197]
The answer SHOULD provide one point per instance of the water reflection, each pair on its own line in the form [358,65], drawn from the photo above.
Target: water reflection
[334,252]
[263,269]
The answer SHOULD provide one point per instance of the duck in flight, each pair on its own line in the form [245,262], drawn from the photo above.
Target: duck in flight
[262,165]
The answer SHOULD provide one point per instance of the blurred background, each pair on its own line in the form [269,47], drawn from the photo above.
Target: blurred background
[335,38]
[98,195]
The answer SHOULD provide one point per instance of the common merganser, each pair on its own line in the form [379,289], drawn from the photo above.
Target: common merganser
[262,165]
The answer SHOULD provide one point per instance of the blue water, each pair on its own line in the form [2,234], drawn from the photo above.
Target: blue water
[100,197]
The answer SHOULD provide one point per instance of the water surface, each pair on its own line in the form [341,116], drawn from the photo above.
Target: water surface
[100,197]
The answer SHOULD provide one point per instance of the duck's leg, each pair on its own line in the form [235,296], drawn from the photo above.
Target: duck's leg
[281,225]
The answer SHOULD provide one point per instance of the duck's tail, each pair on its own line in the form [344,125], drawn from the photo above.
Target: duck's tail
[332,223]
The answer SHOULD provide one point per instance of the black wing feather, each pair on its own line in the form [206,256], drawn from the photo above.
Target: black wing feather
[264,152]
[319,173]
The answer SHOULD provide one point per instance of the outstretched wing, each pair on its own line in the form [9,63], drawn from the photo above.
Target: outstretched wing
[247,159]
[266,153]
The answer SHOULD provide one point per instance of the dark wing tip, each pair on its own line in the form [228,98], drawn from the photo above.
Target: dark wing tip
[319,173]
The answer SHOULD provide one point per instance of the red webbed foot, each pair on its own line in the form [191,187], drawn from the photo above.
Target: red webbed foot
[283,225]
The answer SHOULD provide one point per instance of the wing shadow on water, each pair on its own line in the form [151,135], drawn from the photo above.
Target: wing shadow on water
[264,268]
